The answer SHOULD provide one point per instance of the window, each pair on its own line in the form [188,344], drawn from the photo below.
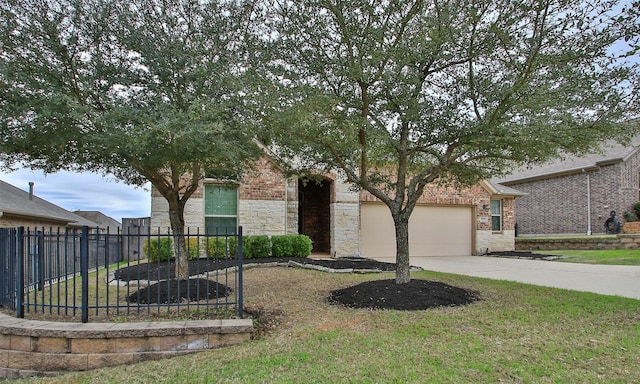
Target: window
[220,209]
[496,215]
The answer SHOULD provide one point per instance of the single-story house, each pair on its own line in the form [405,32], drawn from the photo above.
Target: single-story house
[19,208]
[102,220]
[576,195]
[342,222]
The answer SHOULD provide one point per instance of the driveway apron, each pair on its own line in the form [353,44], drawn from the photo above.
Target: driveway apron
[603,279]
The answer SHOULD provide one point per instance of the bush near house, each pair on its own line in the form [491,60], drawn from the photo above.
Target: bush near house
[219,246]
[253,247]
[162,249]
[291,246]
[256,246]
[633,216]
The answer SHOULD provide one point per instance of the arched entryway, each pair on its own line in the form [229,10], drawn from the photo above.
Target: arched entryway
[314,214]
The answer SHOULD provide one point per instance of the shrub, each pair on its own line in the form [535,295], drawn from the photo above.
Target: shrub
[301,245]
[217,246]
[291,246]
[256,246]
[158,249]
[628,216]
[636,209]
[162,249]
[194,248]
[281,246]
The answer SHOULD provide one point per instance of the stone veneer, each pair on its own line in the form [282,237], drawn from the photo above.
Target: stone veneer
[268,205]
[32,347]
[624,241]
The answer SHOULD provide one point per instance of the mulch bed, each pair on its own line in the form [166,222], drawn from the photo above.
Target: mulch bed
[178,291]
[413,296]
[376,294]
[166,270]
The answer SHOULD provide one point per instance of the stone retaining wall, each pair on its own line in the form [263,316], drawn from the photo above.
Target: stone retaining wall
[32,347]
[625,241]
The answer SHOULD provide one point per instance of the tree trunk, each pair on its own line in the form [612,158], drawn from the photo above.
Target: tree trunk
[176,218]
[402,249]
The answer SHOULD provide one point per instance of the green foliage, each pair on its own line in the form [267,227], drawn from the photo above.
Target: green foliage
[159,99]
[628,216]
[162,249]
[193,247]
[158,249]
[291,246]
[636,209]
[400,95]
[281,246]
[301,246]
[221,246]
[256,246]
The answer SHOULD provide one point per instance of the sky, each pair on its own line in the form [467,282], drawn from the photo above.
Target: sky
[85,191]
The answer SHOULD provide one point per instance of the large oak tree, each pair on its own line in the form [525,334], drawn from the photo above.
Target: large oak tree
[145,90]
[400,94]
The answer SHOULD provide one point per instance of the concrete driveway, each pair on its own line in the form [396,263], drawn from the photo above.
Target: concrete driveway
[604,279]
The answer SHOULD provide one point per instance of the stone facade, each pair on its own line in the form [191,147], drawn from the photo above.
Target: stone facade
[271,204]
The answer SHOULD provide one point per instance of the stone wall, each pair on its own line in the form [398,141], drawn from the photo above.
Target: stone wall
[489,241]
[596,242]
[262,217]
[31,347]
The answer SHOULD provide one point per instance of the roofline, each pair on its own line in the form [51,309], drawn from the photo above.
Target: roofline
[574,171]
[491,188]
[42,217]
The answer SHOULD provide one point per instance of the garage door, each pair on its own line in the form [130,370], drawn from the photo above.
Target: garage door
[433,231]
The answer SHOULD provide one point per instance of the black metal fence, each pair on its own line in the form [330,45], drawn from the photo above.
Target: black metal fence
[72,273]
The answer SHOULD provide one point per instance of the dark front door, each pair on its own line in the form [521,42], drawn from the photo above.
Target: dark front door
[314,216]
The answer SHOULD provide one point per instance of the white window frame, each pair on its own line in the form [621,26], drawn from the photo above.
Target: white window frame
[496,215]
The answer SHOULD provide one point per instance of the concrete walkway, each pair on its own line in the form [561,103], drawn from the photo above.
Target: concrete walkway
[603,279]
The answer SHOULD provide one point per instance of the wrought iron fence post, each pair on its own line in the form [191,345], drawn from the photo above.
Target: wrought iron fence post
[84,272]
[240,293]
[40,260]
[20,274]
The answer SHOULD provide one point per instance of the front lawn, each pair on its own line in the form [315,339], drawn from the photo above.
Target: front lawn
[610,257]
[516,333]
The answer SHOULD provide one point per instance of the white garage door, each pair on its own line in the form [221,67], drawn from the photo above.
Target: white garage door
[433,231]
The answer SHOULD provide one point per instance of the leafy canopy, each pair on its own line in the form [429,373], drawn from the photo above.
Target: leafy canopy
[142,89]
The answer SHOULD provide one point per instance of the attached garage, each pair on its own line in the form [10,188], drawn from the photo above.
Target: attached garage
[441,230]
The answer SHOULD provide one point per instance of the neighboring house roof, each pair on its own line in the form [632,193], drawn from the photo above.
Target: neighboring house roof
[16,202]
[612,153]
[501,190]
[100,218]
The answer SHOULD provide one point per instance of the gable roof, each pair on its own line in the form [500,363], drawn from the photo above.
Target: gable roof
[612,153]
[100,218]
[16,202]
[498,189]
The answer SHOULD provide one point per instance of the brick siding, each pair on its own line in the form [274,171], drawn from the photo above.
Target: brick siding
[557,205]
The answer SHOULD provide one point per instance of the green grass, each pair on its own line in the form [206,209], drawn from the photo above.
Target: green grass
[518,333]
[610,257]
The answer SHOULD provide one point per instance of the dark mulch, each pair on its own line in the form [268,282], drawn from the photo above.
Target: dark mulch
[174,291]
[377,294]
[413,296]
[166,270]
